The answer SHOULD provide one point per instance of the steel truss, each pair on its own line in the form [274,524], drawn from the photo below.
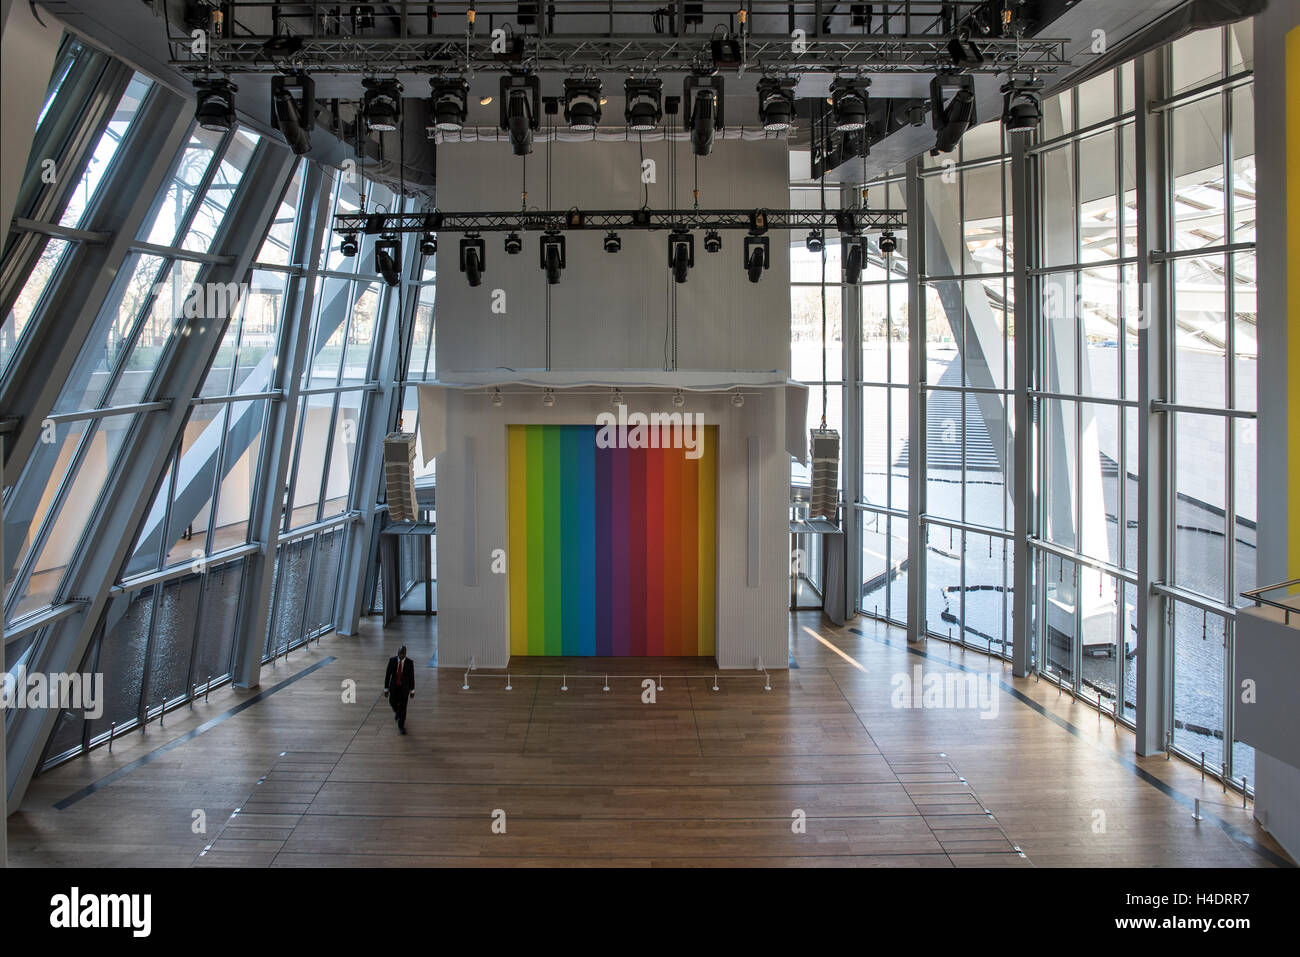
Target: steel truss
[642,54]
[849,221]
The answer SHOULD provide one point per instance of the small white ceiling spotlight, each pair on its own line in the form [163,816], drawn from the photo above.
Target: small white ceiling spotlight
[497,398]
[679,399]
[616,398]
[548,398]
[738,399]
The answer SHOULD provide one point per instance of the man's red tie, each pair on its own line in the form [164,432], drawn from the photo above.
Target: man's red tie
[399,672]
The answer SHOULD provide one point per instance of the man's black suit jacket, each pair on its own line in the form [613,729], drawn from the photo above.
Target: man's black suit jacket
[407,684]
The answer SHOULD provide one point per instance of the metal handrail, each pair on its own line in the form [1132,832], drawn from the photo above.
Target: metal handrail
[1257,596]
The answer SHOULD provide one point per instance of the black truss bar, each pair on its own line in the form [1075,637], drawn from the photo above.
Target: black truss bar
[852,221]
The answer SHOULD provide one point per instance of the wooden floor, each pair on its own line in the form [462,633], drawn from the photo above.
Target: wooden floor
[585,776]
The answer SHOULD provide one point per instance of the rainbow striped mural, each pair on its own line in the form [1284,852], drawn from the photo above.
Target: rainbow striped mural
[612,551]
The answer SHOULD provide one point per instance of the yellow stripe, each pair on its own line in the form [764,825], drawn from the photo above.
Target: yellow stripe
[517,557]
[1293,289]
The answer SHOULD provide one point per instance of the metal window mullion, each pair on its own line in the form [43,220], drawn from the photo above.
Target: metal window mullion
[217,477]
[916,552]
[329,452]
[290,488]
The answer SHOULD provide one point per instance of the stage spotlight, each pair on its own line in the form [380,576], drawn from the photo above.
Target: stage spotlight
[952,110]
[713,241]
[776,103]
[548,398]
[888,242]
[293,108]
[757,256]
[388,259]
[349,247]
[702,115]
[681,254]
[521,110]
[449,103]
[1021,109]
[854,251]
[738,399]
[815,242]
[612,242]
[428,244]
[514,245]
[215,107]
[473,258]
[552,257]
[849,104]
[381,104]
[582,104]
[679,399]
[644,104]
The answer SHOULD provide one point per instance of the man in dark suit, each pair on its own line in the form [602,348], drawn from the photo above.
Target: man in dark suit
[399,685]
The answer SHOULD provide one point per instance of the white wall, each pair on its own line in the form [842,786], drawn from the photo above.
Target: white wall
[473,603]
[610,311]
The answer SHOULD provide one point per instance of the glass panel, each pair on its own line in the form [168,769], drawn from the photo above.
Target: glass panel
[1096,99]
[314,426]
[1195,59]
[875,445]
[122,658]
[239,461]
[943,598]
[1196,168]
[361,332]
[1099,312]
[101,160]
[220,193]
[1200,332]
[1099,494]
[260,330]
[898,570]
[200,459]
[1198,683]
[1243,164]
[1098,206]
[178,613]
[875,563]
[333,303]
[347,424]
[33,291]
[1058,114]
[806,332]
[1129,664]
[165,221]
[943,246]
[1056,169]
[277,246]
[153,333]
[1245,461]
[1198,481]
[1059,432]
[1060,333]
[217,624]
[292,565]
[1245,326]
[1061,582]
[325,580]
[984,558]
[983,233]
[421,364]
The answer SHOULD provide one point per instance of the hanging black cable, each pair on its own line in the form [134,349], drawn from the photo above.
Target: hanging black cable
[822,191]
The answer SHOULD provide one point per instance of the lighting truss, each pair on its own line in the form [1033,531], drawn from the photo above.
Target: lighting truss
[755,221]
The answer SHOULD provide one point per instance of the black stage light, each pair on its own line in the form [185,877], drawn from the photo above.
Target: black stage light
[349,246]
[815,242]
[681,253]
[449,103]
[643,108]
[854,251]
[381,104]
[702,116]
[1022,110]
[951,115]
[388,259]
[612,242]
[888,242]
[849,104]
[428,244]
[757,256]
[776,103]
[473,258]
[293,109]
[552,257]
[521,110]
[713,241]
[514,245]
[215,107]
[582,104]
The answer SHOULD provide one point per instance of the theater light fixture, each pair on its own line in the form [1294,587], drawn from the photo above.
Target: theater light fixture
[552,257]
[582,104]
[293,108]
[776,103]
[815,242]
[514,245]
[382,104]
[349,247]
[854,251]
[428,244]
[613,243]
[702,110]
[521,110]
[952,109]
[757,256]
[849,104]
[679,399]
[644,104]
[888,242]
[548,397]
[1022,110]
[713,241]
[388,259]
[215,106]
[681,254]
[449,103]
[473,258]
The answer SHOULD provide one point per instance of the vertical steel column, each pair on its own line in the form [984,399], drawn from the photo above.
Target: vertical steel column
[1023,209]
[266,517]
[851,443]
[1153,658]
[916,623]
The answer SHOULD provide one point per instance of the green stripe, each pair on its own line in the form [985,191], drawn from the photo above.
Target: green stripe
[536,540]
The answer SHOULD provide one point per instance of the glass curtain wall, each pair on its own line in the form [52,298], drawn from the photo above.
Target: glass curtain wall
[967,345]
